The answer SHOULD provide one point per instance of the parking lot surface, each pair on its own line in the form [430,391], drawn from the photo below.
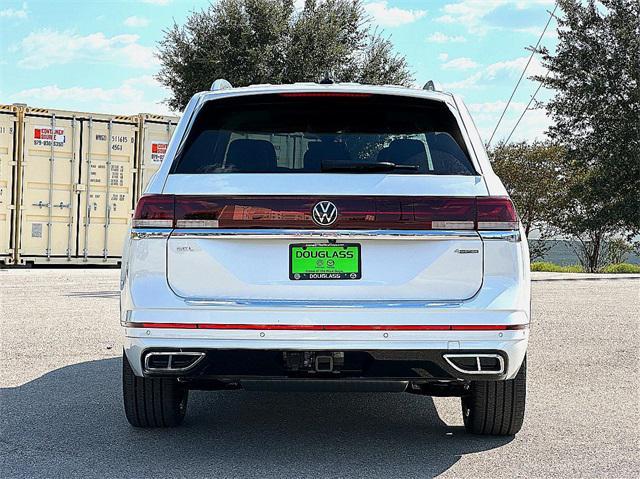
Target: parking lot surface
[61,412]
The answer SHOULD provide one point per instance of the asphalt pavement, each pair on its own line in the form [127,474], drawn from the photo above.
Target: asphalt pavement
[61,413]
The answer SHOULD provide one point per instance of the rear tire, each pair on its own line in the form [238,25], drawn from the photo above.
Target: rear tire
[152,402]
[496,407]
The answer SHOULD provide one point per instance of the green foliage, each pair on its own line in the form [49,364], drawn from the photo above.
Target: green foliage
[618,250]
[595,72]
[621,268]
[555,268]
[268,41]
[549,267]
[531,175]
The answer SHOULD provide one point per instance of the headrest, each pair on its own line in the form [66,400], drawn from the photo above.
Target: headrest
[324,150]
[448,157]
[408,152]
[252,156]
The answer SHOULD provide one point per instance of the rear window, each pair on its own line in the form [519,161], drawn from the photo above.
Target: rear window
[315,133]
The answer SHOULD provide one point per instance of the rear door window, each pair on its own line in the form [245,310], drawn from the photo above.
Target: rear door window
[316,133]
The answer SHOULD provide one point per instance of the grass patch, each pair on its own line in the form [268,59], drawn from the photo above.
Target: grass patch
[556,268]
[621,268]
[576,268]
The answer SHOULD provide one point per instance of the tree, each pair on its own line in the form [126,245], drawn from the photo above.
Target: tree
[532,176]
[268,41]
[595,72]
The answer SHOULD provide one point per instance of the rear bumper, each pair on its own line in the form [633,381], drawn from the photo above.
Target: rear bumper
[503,300]
[239,365]
[406,355]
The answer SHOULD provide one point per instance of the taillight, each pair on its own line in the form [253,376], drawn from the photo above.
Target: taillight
[440,213]
[496,213]
[154,211]
[197,212]
[360,213]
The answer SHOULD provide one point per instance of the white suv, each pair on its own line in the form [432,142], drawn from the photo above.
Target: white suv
[326,237]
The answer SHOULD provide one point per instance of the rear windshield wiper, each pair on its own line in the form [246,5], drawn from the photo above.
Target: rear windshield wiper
[364,167]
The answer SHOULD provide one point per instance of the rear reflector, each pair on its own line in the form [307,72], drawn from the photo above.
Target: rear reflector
[354,212]
[452,225]
[333,327]
[197,223]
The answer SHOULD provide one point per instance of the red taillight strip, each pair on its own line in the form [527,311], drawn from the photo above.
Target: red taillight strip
[325,94]
[163,325]
[334,327]
[355,213]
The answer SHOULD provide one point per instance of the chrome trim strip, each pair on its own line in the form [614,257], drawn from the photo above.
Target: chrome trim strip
[145,233]
[477,357]
[511,236]
[170,354]
[311,304]
[403,235]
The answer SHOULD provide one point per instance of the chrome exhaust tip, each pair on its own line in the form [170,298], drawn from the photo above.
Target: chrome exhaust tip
[476,363]
[172,361]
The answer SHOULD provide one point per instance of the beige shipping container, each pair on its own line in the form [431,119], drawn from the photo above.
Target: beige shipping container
[107,199]
[77,186]
[8,124]
[48,200]
[155,134]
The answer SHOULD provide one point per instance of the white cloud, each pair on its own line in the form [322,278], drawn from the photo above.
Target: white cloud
[495,107]
[392,16]
[136,22]
[15,12]
[50,47]
[514,67]
[439,37]
[464,84]
[511,68]
[132,96]
[471,13]
[443,57]
[462,63]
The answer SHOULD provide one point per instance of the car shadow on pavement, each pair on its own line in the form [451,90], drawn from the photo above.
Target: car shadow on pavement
[70,422]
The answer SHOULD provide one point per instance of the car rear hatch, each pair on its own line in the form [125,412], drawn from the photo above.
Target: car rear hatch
[264,203]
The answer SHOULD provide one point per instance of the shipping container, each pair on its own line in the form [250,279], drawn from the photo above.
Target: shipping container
[106,204]
[77,186]
[8,143]
[155,132]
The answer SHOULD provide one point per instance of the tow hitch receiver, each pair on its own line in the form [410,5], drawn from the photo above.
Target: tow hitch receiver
[324,364]
[313,362]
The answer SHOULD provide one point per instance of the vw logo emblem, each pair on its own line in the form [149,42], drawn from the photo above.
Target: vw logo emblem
[324,213]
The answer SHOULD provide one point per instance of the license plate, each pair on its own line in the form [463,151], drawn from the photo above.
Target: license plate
[324,261]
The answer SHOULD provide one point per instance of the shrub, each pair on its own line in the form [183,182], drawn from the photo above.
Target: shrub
[556,268]
[621,268]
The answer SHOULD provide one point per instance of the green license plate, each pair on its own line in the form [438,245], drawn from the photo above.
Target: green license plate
[324,261]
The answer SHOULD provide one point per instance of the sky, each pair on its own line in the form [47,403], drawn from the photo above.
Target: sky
[98,55]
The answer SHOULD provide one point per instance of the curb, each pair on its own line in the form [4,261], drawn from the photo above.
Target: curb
[542,276]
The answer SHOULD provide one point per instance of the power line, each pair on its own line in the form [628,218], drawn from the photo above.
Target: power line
[527,107]
[533,51]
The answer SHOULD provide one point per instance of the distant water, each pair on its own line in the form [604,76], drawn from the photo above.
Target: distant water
[562,253]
